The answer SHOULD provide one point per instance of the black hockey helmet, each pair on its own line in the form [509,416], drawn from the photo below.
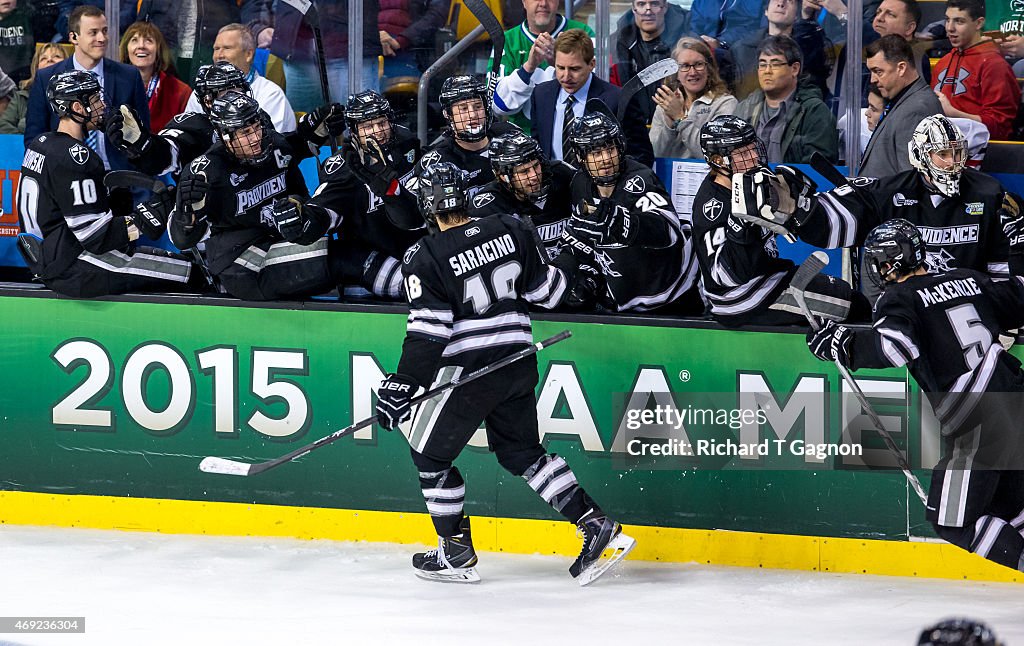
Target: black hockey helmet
[597,131]
[442,189]
[893,249]
[73,86]
[724,134]
[958,632]
[462,88]
[513,150]
[235,111]
[213,80]
[366,106]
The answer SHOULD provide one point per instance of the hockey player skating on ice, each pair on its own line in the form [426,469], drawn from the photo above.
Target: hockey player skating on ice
[745,281]
[943,327]
[86,249]
[623,223]
[190,134]
[356,185]
[469,286]
[956,208]
[230,191]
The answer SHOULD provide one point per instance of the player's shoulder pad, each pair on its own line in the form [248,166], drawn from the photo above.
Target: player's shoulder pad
[79,153]
[199,164]
[335,166]
[485,197]
[410,257]
[430,158]
[980,185]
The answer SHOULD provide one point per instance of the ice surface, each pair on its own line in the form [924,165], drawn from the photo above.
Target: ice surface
[143,588]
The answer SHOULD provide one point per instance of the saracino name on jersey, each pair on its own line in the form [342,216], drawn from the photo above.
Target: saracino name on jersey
[261,192]
[482,254]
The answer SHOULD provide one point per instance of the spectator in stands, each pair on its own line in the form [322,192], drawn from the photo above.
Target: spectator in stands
[121,84]
[191,26]
[527,58]
[12,121]
[406,29]
[17,42]
[786,112]
[144,47]
[235,45]
[902,18]
[833,17]
[646,35]
[283,29]
[908,100]
[724,22]
[1013,48]
[688,101]
[782,21]
[559,102]
[974,81]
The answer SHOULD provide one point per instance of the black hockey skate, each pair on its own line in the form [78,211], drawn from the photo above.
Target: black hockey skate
[452,561]
[600,533]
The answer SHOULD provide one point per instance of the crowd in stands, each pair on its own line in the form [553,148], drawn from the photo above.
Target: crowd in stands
[775,64]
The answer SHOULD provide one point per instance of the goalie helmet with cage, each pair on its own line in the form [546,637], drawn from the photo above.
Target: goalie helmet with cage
[893,249]
[725,134]
[442,190]
[369,106]
[243,127]
[76,86]
[595,133]
[214,80]
[519,163]
[939,151]
[466,123]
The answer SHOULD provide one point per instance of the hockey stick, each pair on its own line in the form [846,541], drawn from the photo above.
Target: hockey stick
[648,76]
[236,468]
[309,13]
[595,105]
[803,276]
[136,179]
[494,31]
[827,170]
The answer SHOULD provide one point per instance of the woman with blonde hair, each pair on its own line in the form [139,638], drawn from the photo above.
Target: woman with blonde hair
[144,47]
[685,102]
[12,121]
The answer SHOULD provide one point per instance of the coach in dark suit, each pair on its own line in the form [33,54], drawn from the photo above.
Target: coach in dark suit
[122,84]
[560,102]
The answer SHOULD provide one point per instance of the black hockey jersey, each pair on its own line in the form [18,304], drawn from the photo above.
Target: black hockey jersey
[960,232]
[658,267]
[61,196]
[739,263]
[469,290]
[549,216]
[185,137]
[944,328]
[238,207]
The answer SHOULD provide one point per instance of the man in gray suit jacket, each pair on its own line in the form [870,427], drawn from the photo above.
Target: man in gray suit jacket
[908,100]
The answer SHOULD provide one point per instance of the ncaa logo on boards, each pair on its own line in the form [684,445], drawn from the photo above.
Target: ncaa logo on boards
[635,184]
[410,252]
[483,199]
[713,209]
[472,231]
[79,153]
[333,163]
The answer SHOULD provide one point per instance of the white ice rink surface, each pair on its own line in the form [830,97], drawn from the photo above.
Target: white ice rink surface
[141,588]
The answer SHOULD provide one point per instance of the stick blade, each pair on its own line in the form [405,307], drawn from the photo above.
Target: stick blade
[224,466]
[808,270]
[657,71]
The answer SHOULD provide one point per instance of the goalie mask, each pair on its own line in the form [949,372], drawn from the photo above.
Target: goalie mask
[75,86]
[466,107]
[441,190]
[958,632]
[735,142]
[893,249]
[519,164]
[939,151]
[368,114]
[214,80]
[242,126]
[600,147]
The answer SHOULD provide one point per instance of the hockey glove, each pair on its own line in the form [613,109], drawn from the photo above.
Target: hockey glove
[831,342]
[760,197]
[192,191]
[593,222]
[126,132]
[1011,219]
[394,400]
[375,167]
[327,120]
[801,199]
[150,217]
